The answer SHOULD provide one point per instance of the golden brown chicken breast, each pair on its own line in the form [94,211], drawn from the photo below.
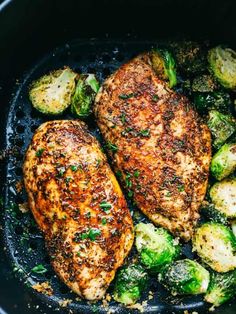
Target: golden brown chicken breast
[159,145]
[79,206]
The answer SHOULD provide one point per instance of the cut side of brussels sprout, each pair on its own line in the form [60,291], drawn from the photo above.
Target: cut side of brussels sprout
[185,277]
[223,196]
[51,94]
[156,246]
[216,245]
[222,288]
[130,282]
[224,161]
[86,89]
[164,65]
[222,126]
[223,65]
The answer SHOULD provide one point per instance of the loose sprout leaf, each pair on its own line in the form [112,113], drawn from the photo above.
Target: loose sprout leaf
[39,269]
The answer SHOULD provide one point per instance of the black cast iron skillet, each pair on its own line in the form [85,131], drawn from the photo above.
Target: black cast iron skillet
[92,36]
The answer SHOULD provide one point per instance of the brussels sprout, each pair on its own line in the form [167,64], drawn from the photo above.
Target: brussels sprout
[86,89]
[203,84]
[130,282]
[213,214]
[234,227]
[223,162]
[223,195]
[185,277]
[51,94]
[217,100]
[222,63]
[190,57]
[222,126]
[155,246]
[222,288]
[164,65]
[216,245]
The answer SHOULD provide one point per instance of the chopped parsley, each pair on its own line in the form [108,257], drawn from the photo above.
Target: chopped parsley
[61,171]
[119,174]
[68,179]
[181,188]
[78,253]
[136,173]
[123,118]
[39,269]
[105,206]
[88,215]
[126,96]
[168,194]
[127,180]
[39,152]
[92,234]
[145,133]
[112,147]
[130,194]
[104,221]
[75,167]
[155,97]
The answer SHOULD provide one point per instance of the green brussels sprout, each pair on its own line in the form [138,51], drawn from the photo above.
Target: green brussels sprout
[203,84]
[130,282]
[164,65]
[191,57]
[155,246]
[222,126]
[213,214]
[217,100]
[222,288]
[51,94]
[216,245]
[233,225]
[223,162]
[185,277]
[86,89]
[222,63]
[223,196]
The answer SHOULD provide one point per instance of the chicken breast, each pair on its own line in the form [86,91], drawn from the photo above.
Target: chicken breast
[79,206]
[159,146]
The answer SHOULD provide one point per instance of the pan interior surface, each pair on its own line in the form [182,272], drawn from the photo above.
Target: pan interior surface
[22,237]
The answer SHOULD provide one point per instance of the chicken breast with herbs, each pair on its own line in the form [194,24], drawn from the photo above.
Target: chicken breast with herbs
[79,206]
[160,147]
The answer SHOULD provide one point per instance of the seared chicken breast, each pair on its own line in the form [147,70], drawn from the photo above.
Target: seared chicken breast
[79,206]
[160,147]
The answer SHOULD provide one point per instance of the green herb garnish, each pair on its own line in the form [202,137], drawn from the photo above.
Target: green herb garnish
[105,206]
[39,269]
[112,147]
[126,96]
[136,173]
[145,133]
[39,152]
[104,221]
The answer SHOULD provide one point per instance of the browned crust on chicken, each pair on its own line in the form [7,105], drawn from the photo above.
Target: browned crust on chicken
[160,146]
[68,181]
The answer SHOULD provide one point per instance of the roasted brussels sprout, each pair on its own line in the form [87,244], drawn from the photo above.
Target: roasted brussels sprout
[223,195]
[155,246]
[224,161]
[222,63]
[191,57]
[233,225]
[217,100]
[185,277]
[216,245]
[203,84]
[86,89]
[164,65]
[130,282]
[51,94]
[222,126]
[222,288]
[213,214]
